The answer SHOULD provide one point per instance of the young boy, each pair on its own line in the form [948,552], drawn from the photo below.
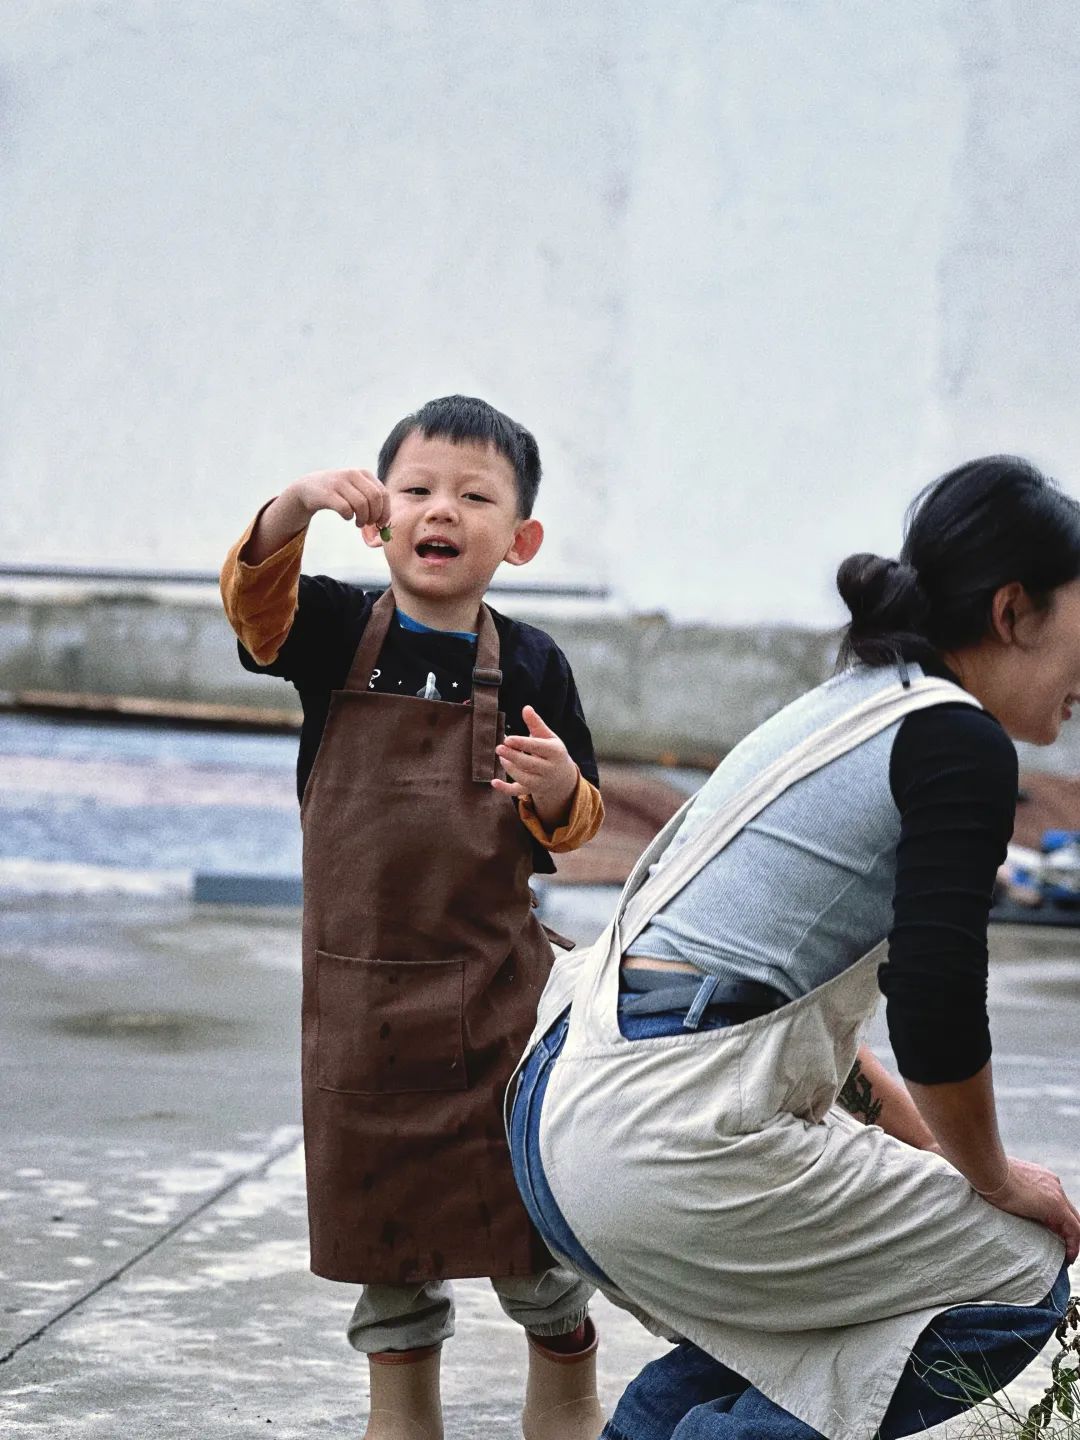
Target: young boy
[423,960]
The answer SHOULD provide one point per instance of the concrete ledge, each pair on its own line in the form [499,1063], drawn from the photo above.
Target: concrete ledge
[651,689]
[683,694]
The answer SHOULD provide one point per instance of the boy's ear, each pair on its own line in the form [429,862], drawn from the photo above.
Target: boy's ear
[371,536]
[528,537]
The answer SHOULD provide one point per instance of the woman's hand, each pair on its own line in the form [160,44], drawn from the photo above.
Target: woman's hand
[1037,1194]
[962,1118]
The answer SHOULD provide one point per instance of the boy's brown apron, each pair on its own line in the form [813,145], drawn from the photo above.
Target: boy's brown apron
[423,964]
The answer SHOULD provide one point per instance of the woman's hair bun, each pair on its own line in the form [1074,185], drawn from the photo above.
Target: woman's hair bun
[884,596]
[991,522]
[889,611]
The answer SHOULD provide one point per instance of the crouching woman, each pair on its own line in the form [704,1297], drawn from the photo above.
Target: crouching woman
[674,1126]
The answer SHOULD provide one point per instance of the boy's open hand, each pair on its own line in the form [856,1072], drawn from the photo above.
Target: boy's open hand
[354,494]
[539,765]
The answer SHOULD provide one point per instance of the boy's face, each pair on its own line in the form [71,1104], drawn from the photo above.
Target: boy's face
[454,518]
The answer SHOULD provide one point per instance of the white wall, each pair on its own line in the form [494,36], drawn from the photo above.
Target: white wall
[752,271]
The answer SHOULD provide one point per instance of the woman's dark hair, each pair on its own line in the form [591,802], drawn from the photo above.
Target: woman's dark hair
[986,524]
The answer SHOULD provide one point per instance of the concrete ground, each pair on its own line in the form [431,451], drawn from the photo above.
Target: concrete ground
[153,1264]
[153,1232]
[154,1254]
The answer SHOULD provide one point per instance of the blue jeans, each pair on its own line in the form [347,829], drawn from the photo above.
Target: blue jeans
[687,1395]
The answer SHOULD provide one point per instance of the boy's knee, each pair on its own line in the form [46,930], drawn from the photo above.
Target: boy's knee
[550,1303]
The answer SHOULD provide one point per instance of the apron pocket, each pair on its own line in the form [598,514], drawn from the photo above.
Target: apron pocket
[389,1026]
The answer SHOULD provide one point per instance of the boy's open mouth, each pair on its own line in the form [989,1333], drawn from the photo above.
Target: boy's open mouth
[437,549]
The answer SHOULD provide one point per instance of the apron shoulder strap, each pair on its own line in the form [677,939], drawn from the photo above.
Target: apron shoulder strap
[371,642]
[638,905]
[486,679]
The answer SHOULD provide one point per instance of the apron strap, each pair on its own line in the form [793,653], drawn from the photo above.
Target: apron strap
[371,642]
[486,679]
[636,910]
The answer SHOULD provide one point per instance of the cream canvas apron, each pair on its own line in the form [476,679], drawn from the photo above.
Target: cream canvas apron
[714,1180]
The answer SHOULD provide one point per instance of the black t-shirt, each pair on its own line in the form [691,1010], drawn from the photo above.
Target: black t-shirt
[319,649]
[953,775]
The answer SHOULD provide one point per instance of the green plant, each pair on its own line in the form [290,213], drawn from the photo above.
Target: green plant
[1063,1392]
[994,1416]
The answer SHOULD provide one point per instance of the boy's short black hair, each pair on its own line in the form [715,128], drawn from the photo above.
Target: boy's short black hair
[461,418]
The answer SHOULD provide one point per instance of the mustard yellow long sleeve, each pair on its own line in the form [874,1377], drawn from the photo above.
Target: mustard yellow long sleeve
[585,818]
[260,600]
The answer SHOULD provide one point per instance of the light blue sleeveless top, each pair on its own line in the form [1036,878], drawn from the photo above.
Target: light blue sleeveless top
[806,888]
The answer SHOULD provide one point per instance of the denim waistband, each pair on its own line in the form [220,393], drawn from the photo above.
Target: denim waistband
[643,991]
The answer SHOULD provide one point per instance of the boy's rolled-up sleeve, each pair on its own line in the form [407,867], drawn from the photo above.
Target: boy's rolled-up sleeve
[585,818]
[261,600]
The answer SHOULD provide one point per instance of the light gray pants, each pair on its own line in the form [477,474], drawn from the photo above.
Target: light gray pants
[411,1317]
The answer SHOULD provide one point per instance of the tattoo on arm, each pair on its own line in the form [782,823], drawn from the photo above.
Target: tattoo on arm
[857,1097]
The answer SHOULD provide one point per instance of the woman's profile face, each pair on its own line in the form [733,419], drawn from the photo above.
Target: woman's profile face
[1039,684]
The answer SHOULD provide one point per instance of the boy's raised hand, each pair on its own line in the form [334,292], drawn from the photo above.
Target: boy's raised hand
[539,765]
[354,494]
